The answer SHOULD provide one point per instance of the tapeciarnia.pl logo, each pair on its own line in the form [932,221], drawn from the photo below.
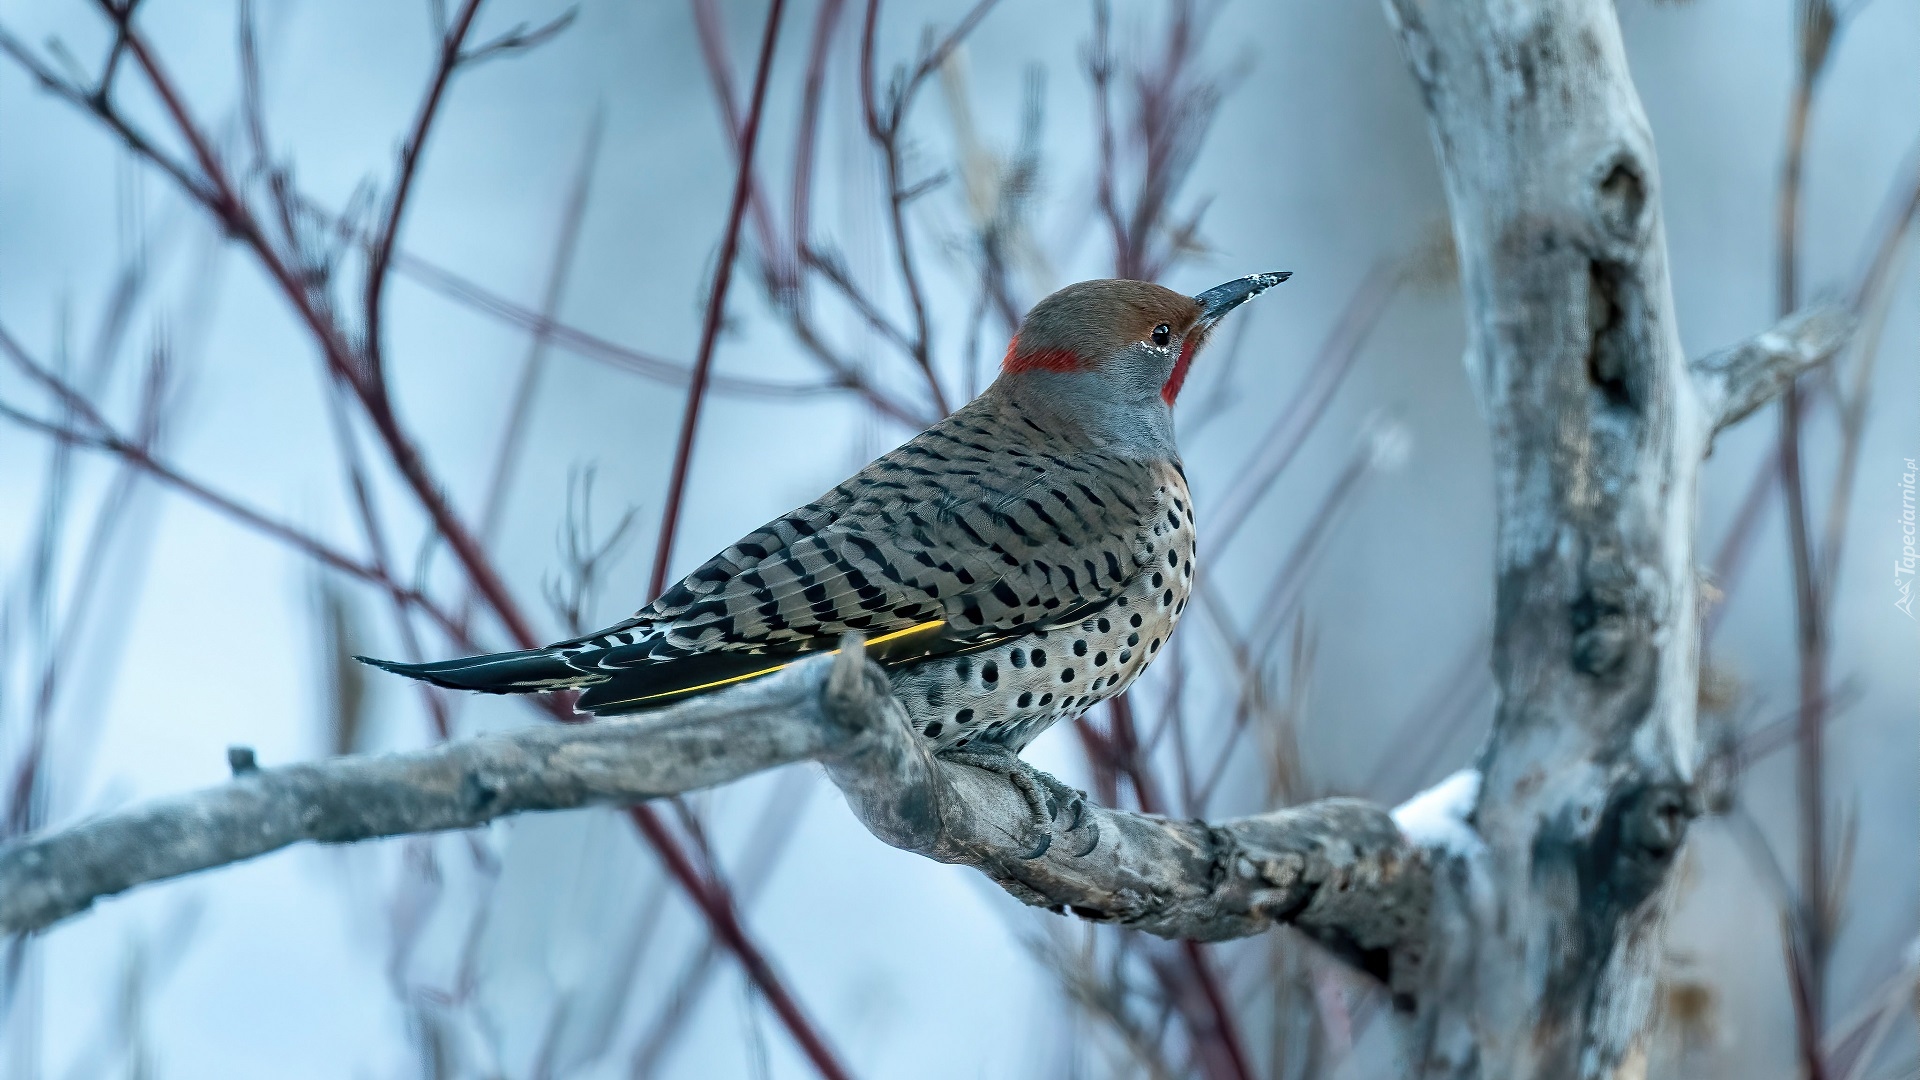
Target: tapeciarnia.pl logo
[1903,566]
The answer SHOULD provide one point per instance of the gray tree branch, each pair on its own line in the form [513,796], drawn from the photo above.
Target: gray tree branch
[1339,869]
[1546,917]
[1735,381]
[457,785]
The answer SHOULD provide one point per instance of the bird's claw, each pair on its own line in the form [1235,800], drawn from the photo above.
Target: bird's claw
[1046,798]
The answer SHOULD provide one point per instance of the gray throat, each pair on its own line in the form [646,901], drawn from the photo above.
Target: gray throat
[1119,419]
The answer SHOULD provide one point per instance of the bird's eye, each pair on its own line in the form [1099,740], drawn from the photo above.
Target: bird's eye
[1162,334]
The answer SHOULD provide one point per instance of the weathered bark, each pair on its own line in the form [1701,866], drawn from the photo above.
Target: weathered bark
[1338,869]
[1546,934]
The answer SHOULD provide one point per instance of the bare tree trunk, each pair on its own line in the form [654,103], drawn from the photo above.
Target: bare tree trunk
[1546,939]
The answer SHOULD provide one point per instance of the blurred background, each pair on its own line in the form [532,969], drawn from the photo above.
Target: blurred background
[205,505]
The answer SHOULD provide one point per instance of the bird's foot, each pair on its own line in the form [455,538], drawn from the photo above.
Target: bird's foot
[1046,798]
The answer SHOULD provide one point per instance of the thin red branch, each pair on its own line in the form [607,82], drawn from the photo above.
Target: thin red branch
[507,453]
[1337,354]
[883,129]
[381,255]
[1417,740]
[1276,609]
[771,835]
[716,306]
[1226,1033]
[407,459]
[99,435]
[1810,631]
[777,262]
[785,263]
[1100,75]
[1870,301]
[584,344]
[219,196]
[724,920]
[808,138]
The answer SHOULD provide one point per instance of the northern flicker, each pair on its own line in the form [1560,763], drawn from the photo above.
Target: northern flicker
[1010,567]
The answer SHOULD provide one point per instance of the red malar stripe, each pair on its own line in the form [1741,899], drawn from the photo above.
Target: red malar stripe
[1179,376]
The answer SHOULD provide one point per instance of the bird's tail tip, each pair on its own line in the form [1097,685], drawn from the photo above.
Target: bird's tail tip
[529,672]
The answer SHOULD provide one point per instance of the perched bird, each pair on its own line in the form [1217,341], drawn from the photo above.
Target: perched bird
[1011,566]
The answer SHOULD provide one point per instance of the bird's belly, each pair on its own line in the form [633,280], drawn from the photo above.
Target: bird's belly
[1012,692]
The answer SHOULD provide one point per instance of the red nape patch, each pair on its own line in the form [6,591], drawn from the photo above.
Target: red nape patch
[1039,360]
[1179,376]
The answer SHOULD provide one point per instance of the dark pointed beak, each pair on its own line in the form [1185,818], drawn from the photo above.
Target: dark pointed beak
[1220,299]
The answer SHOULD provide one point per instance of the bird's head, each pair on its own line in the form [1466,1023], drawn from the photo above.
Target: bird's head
[1118,351]
[1135,337]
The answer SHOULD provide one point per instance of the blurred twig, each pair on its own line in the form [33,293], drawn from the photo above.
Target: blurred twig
[716,307]
[304,278]
[1275,449]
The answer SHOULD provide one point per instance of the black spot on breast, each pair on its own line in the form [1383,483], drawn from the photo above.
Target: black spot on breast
[1080,647]
[1046,699]
[1135,621]
[1133,639]
[1018,658]
[1158,580]
[1025,699]
[1067,675]
[964,716]
[1039,658]
[989,673]
[1099,659]
[1106,625]
[933,730]
[1126,655]
[1166,598]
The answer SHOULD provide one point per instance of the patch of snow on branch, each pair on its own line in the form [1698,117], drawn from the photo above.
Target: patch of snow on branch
[1437,817]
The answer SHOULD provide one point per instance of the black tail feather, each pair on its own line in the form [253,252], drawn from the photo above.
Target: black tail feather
[527,672]
[626,679]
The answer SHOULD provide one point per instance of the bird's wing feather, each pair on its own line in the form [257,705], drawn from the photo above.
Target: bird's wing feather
[958,537]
